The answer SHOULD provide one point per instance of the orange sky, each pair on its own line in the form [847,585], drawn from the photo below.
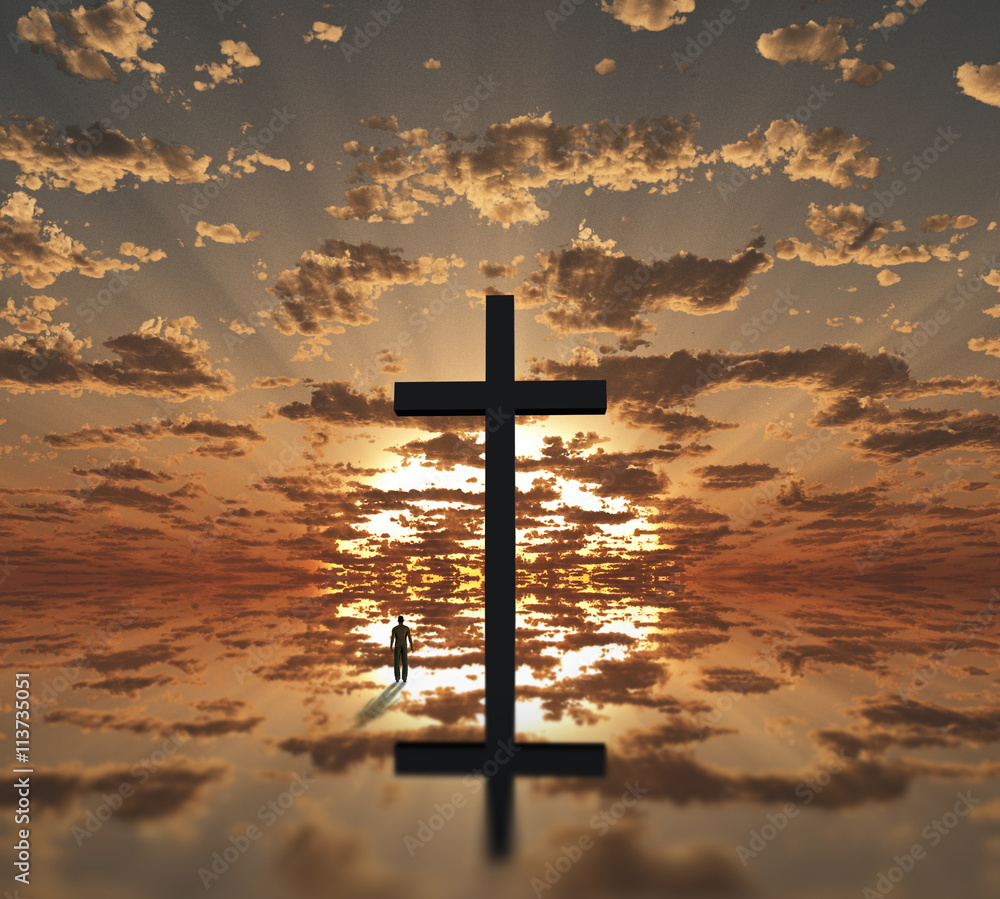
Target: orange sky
[227,230]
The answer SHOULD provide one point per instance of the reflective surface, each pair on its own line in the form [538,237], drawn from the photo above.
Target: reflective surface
[758,744]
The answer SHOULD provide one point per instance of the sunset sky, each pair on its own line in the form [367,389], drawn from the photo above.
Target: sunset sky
[226,230]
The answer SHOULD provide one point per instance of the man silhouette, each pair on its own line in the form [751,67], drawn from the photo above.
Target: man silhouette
[400,634]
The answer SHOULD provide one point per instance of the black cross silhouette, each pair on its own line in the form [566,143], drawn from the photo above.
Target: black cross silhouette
[499,398]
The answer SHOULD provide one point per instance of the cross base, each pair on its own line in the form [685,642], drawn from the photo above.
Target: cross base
[531,759]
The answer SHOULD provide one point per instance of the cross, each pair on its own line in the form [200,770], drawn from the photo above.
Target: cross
[499,398]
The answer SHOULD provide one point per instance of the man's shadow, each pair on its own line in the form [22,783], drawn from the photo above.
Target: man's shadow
[378,706]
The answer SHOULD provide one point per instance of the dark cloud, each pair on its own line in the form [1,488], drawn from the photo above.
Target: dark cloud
[829,371]
[597,289]
[161,791]
[338,402]
[119,720]
[116,30]
[213,437]
[722,679]
[129,685]
[338,285]
[161,359]
[124,470]
[40,252]
[311,857]
[619,863]
[95,158]
[735,477]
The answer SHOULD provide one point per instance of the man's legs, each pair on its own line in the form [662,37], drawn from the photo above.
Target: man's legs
[405,666]
[395,663]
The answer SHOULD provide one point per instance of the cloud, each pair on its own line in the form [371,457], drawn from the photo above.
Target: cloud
[827,154]
[337,402]
[212,436]
[227,233]
[945,221]
[311,856]
[205,726]
[338,284]
[642,387]
[321,31]
[679,777]
[735,477]
[40,252]
[110,493]
[444,452]
[500,269]
[864,74]
[597,288]
[890,437]
[160,790]
[271,383]
[160,359]
[823,45]
[381,123]
[720,679]
[620,862]
[988,345]
[887,277]
[143,254]
[982,83]
[248,164]
[334,753]
[96,158]
[238,55]
[238,327]
[649,15]
[851,236]
[116,30]
[912,723]
[125,470]
[897,17]
[390,363]
[605,67]
[129,685]
[32,318]
[432,63]
[811,42]
[501,172]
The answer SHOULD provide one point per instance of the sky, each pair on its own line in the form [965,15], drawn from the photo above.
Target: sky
[227,229]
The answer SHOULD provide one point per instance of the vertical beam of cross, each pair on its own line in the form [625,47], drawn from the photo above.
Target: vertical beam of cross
[500,527]
[499,398]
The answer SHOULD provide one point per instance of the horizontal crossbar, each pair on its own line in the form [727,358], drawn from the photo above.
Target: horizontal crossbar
[474,397]
[527,759]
